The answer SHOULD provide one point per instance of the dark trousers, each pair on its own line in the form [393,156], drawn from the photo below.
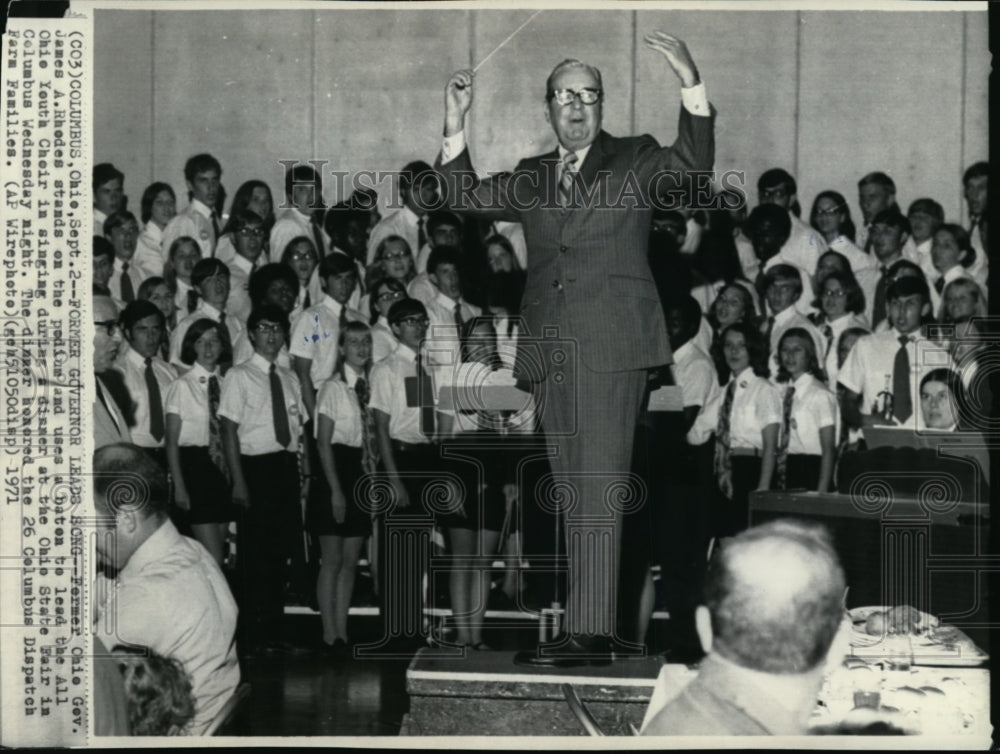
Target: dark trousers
[264,528]
[733,516]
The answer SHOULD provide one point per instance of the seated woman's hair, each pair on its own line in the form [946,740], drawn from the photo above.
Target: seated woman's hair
[158,692]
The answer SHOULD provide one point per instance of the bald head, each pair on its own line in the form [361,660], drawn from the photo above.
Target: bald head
[775,595]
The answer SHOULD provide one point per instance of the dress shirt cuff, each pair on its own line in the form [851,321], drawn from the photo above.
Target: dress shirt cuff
[695,100]
[452,147]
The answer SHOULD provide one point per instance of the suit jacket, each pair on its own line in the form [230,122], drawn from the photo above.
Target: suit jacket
[594,255]
[108,429]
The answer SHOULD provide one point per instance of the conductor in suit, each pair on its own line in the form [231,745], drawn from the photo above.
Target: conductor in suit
[586,209]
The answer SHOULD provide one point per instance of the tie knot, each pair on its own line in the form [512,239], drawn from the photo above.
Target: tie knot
[903,340]
[124,266]
[149,361]
[570,160]
[272,368]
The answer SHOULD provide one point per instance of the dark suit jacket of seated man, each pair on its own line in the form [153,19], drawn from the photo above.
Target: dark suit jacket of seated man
[588,281]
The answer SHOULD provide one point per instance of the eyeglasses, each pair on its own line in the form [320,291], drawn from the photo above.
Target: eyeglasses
[779,192]
[587,95]
[835,294]
[303,256]
[252,232]
[832,211]
[268,328]
[415,321]
[396,255]
[391,295]
[111,326]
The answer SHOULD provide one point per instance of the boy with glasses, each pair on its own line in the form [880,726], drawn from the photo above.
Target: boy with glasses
[248,241]
[122,230]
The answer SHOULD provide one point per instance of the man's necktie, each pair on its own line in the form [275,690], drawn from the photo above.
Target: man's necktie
[878,312]
[566,178]
[192,300]
[459,322]
[766,331]
[215,231]
[318,237]
[902,397]
[939,284]
[828,334]
[278,410]
[868,239]
[426,392]
[104,402]
[421,235]
[723,464]
[307,301]
[155,402]
[128,292]
[342,319]
[369,448]
[781,461]
[215,448]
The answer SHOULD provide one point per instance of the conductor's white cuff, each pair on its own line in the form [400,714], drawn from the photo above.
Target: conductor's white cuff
[452,146]
[695,100]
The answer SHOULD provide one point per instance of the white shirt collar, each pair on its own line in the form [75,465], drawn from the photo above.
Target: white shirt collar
[784,315]
[351,376]
[260,362]
[332,304]
[241,262]
[581,154]
[743,376]
[685,352]
[201,208]
[209,309]
[199,371]
[447,303]
[403,351]
[411,217]
[803,381]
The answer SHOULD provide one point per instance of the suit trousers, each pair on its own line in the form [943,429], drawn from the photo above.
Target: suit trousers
[589,419]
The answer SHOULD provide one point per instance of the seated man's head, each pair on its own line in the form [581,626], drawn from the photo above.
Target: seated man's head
[338,276]
[104,261]
[419,187]
[143,325]
[304,188]
[108,182]
[876,192]
[768,228]
[777,187]
[925,216]
[939,390]
[130,497]
[683,320]
[975,183]
[203,174]
[442,269]
[889,232]
[773,598]
[408,320]
[782,287]
[107,333]
[908,303]
[122,230]
[444,229]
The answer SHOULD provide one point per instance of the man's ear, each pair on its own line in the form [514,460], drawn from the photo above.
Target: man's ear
[434,279]
[127,521]
[925,310]
[703,627]
[548,115]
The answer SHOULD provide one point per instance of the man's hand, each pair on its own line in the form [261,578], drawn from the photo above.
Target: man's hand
[676,53]
[457,101]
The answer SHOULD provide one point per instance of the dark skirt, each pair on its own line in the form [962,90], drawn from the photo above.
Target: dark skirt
[319,511]
[210,494]
[802,472]
[480,461]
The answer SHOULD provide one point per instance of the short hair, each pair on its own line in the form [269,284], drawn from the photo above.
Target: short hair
[757,347]
[851,332]
[386,282]
[907,286]
[138,310]
[241,218]
[159,696]
[572,63]
[198,328]
[854,299]
[104,172]
[815,368]
[286,253]
[878,179]
[145,290]
[783,272]
[301,174]
[267,313]
[206,268]
[339,218]
[976,170]
[262,278]
[349,327]
[414,171]
[892,217]
[973,287]
[118,219]
[103,247]
[902,267]
[962,240]
[336,263]
[201,163]
[149,196]
[127,478]
[442,255]
[690,311]
[775,596]
[406,307]
[927,206]
[777,177]
[442,217]
[769,213]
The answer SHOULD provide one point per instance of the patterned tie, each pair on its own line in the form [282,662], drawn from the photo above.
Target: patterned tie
[723,464]
[426,392]
[421,235]
[902,398]
[566,178]
[215,449]
[369,448]
[878,312]
[459,322]
[128,292]
[278,411]
[781,462]
[155,402]
[318,237]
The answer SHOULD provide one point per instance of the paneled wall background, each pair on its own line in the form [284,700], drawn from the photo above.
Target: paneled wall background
[828,95]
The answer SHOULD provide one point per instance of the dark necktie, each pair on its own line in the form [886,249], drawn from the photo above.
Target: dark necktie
[155,402]
[192,300]
[868,239]
[369,450]
[902,398]
[426,392]
[318,237]
[878,312]
[939,284]
[307,301]
[781,461]
[278,410]
[128,292]
[104,402]
[723,464]
[421,235]
[215,448]
[828,334]
[768,328]
[566,178]
[459,322]
[342,319]
[215,232]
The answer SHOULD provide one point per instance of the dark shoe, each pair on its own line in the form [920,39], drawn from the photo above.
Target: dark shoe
[567,651]
[339,650]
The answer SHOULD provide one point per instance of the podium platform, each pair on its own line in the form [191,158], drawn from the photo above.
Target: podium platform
[486,694]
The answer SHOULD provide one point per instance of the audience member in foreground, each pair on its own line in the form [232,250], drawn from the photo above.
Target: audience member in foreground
[773,606]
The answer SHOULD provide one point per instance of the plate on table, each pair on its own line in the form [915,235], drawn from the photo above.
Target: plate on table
[931,644]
